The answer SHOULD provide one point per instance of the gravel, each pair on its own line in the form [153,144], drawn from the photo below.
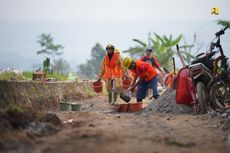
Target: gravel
[166,103]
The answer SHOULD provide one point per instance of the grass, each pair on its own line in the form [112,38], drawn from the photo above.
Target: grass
[28,75]
[11,76]
[59,77]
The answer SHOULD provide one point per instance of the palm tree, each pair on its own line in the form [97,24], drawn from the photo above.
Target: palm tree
[225,23]
[161,45]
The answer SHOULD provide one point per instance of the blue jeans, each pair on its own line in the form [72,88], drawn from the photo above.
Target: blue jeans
[143,87]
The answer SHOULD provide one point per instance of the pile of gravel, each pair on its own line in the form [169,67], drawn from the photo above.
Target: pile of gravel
[166,103]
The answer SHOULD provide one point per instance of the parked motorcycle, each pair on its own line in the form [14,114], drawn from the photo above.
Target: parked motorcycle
[219,86]
[199,75]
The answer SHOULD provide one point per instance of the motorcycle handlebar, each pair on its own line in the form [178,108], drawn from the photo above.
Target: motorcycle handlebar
[221,32]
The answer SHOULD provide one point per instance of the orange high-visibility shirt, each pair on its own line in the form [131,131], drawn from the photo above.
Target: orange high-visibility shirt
[144,70]
[111,68]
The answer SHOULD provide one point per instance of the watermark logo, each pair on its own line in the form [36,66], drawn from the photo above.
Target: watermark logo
[215,11]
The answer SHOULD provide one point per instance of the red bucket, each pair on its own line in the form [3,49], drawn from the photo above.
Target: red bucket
[126,84]
[130,107]
[134,107]
[123,108]
[97,86]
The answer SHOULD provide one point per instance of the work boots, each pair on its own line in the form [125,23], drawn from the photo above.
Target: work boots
[111,101]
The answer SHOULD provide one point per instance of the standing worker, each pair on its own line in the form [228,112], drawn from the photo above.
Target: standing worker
[152,61]
[145,76]
[111,72]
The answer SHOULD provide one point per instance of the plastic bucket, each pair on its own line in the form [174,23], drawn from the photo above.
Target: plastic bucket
[123,108]
[97,87]
[64,106]
[76,107]
[131,107]
[126,84]
[124,95]
[134,107]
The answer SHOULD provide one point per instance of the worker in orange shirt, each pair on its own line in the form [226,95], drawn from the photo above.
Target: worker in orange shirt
[145,76]
[111,72]
[153,61]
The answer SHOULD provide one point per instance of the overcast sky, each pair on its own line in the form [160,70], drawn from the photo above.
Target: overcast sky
[111,9]
[90,21]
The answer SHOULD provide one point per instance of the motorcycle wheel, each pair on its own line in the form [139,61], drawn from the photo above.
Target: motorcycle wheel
[219,94]
[201,97]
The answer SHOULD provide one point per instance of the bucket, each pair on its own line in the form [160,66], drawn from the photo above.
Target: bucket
[130,107]
[64,106]
[134,107]
[125,95]
[126,84]
[123,108]
[97,87]
[75,107]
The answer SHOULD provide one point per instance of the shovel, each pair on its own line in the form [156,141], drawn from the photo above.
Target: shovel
[125,95]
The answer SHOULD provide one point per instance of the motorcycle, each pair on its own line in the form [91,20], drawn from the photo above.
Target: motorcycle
[203,84]
[219,86]
[198,75]
[201,76]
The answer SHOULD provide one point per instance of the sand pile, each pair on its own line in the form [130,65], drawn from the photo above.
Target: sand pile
[166,103]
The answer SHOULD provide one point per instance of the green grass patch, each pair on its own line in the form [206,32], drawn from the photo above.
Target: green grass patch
[59,77]
[27,74]
[11,76]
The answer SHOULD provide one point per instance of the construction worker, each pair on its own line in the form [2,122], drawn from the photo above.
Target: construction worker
[111,72]
[153,61]
[145,76]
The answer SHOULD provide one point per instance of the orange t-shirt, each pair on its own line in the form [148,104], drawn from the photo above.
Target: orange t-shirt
[144,70]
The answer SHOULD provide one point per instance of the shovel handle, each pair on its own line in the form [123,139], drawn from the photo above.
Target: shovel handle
[174,66]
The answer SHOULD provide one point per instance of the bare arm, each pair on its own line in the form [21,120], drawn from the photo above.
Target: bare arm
[135,82]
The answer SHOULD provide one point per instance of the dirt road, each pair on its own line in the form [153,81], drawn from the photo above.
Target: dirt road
[94,130]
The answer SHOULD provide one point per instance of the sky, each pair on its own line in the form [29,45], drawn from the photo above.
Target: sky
[111,9]
[79,24]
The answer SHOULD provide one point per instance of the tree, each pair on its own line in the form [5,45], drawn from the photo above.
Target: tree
[48,47]
[91,68]
[224,23]
[162,46]
[61,66]
[53,50]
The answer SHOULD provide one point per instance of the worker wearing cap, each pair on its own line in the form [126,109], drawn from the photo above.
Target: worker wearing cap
[145,76]
[110,71]
[152,61]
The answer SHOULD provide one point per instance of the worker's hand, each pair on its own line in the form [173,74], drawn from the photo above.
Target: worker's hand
[131,88]
[127,77]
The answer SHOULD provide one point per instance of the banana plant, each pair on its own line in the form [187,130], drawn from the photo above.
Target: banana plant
[161,45]
[224,23]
